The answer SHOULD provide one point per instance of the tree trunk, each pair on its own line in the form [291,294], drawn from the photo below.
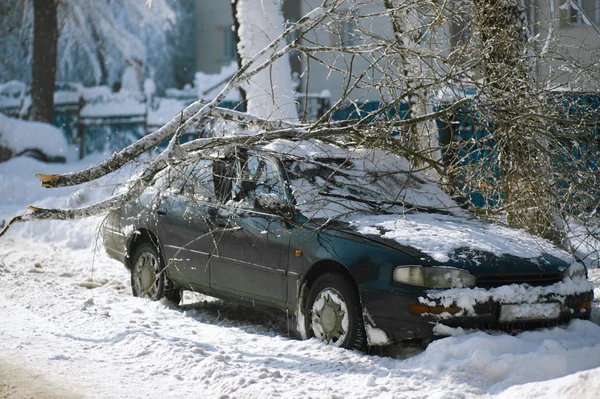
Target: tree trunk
[269,93]
[45,49]
[236,37]
[404,25]
[510,87]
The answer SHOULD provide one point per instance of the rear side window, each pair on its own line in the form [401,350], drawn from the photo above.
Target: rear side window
[223,177]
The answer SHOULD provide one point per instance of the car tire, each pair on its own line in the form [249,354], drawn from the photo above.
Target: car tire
[171,292]
[148,278]
[333,313]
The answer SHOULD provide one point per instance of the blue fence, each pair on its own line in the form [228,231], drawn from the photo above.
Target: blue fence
[361,110]
[466,142]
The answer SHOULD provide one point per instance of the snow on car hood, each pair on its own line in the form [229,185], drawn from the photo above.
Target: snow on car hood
[440,235]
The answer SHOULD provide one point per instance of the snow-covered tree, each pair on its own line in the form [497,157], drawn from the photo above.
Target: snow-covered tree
[269,93]
[15,49]
[97,39]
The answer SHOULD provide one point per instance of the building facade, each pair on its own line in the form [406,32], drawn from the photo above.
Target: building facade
[574,27]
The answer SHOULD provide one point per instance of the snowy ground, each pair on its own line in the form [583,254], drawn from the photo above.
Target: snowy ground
[68,320]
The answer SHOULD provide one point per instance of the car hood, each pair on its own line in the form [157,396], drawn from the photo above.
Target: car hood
[483,249]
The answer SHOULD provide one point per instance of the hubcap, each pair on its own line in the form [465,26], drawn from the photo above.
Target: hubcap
[146,270]
[329,321]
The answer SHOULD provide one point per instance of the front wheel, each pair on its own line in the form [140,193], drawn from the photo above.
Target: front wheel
[148,278]
[333,312]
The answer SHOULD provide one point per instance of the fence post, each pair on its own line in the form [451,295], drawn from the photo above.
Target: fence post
[81,137]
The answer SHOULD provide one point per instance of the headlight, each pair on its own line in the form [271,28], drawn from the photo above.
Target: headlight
[433,277]
[576,270]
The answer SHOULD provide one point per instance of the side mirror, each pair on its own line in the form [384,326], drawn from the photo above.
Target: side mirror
[265,202]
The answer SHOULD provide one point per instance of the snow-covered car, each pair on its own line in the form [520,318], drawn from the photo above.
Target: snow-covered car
[41,141]
[358,246]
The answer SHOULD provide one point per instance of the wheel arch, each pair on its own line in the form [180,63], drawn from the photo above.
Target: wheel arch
[328,266]
[140,236]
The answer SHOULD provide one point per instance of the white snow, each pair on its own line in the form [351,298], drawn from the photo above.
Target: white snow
[466,298]
[117,104]
[439,235]
[67,313]
[19,135]
[208,86]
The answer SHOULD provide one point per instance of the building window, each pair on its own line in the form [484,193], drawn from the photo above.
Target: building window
[226,43]
[591,9]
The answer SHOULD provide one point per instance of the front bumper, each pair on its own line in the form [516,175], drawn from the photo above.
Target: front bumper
[394,313]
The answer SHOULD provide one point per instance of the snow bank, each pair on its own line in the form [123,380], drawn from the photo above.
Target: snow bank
[20,187]
[19,135]
[483,363]
[72,319]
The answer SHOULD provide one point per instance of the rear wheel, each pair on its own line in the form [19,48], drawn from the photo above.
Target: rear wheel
[333,312]
[148,278]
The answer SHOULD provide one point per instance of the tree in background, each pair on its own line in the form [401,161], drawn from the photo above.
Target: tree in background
[14,19]
[95,41]
[43,68]
[269,93]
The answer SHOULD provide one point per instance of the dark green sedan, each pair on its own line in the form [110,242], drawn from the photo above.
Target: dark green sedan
[358,246]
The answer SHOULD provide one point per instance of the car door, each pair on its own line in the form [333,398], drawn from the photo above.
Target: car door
[184,215]
[250,251]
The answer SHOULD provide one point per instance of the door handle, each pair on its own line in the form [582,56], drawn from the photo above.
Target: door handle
[161,211]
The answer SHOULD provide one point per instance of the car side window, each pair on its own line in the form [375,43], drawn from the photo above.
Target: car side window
[199,183]
[259,177]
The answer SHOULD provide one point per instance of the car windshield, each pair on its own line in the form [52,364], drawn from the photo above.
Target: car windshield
[334,185]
